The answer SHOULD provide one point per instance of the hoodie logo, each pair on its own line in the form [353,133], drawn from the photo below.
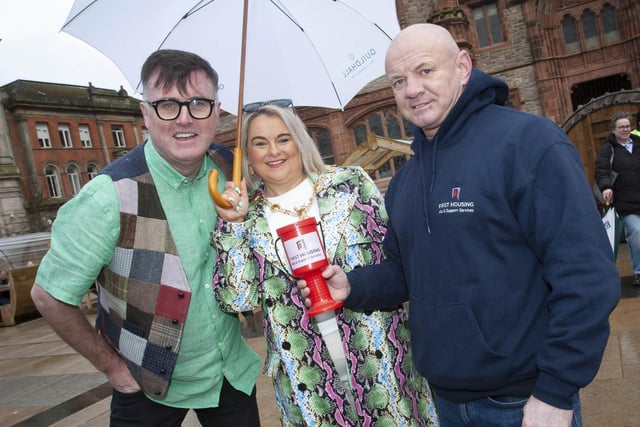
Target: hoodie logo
[455,193]
[455,205]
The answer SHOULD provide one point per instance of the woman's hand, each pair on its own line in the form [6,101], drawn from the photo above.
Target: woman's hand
[607,195]
[239,200]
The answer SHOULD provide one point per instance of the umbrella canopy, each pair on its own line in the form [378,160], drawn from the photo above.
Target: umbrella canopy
[315,52]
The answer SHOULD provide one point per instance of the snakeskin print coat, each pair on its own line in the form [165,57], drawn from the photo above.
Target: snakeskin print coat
[387,389]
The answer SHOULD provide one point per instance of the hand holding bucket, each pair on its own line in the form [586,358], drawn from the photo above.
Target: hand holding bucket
[307,259]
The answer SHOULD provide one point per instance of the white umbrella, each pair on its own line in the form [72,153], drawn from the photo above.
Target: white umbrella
[315,52]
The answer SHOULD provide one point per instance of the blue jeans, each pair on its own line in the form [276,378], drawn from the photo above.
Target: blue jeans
[632,234]
[491,412]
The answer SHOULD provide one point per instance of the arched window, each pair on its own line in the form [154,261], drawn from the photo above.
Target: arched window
[323,141]
[393,127]
[360,133]
[53,182]
[74,179]
[375,124]
[92,171]
[590,29]
[571,43]
[610,23]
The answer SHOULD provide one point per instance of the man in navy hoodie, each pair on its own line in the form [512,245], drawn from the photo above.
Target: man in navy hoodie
[496,242]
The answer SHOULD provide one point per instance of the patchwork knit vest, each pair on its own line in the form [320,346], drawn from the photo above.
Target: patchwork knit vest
[144,293]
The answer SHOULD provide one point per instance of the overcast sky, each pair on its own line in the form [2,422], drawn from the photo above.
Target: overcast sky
[33,48]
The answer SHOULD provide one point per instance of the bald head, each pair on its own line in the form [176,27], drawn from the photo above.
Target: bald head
[422,37]
[427,72]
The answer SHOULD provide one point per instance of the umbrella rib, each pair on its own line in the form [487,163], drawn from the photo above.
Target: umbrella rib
[285,13]
[79,13]
[382,30]
[201,5]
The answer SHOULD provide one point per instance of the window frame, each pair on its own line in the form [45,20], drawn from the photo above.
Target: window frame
[488,26]
[75,181]
[64,132]
[575,45]
[91,173]
[117,134]
[52,180]
[43,135]
[610,11]
[84,131]
[322,138]
[593,40]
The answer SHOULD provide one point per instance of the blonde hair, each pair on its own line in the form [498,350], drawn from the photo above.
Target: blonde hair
[310,156]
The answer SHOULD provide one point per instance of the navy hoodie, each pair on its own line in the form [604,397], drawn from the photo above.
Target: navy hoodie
[495,240]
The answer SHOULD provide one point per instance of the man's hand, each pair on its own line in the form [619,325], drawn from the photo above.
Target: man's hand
[121,379]
[337,282]
[540,414]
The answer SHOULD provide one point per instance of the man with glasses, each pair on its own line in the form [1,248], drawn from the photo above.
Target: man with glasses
[140,230]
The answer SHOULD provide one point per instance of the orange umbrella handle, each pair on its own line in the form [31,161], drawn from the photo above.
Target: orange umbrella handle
[237,176]
[237,151]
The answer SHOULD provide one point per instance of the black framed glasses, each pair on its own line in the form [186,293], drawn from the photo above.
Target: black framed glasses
[169,109]
[255,106]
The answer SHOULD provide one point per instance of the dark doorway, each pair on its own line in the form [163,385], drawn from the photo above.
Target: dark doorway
[582,93]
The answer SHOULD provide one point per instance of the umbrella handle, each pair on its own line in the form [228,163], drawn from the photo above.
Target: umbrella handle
[237,175]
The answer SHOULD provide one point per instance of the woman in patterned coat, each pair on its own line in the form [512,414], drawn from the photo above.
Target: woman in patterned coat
[366,376]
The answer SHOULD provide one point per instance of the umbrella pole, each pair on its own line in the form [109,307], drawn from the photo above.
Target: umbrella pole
[237,151]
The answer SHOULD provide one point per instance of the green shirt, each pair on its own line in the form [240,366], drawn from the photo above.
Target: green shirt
[83,240]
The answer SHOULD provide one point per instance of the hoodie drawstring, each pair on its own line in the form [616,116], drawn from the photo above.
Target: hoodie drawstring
[426,193]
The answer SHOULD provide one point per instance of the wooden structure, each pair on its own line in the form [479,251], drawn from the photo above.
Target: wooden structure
[588,126]
[375,152]
[20,305]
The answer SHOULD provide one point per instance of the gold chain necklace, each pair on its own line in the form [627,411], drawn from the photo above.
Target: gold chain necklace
[301,212]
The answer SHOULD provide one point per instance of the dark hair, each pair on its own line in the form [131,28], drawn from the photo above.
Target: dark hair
[618,116]
[174,67]
[638,120]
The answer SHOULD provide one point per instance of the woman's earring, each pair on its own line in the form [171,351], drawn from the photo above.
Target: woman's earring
[251,171]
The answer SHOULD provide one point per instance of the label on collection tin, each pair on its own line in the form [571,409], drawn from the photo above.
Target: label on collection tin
[303,250]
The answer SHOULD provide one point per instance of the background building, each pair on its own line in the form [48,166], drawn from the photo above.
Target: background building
[555,55]
[53,139]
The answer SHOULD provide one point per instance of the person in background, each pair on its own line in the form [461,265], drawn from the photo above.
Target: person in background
[140,229]
[342,367]
[621,153]
[636,130]
[495,240]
